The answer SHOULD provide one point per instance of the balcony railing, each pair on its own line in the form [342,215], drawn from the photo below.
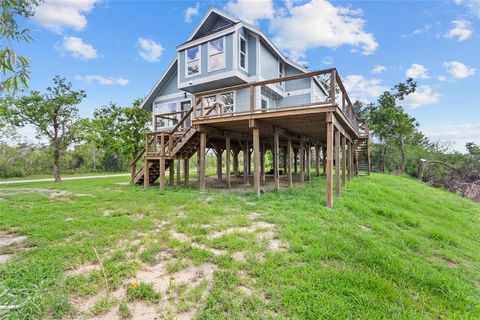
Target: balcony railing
[307,90]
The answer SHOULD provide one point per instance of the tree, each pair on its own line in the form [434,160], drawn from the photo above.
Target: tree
[14,68]
[390,123]
[119,132]
[54,115]
[133,127]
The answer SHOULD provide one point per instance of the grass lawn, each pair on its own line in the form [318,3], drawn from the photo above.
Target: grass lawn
[66,175]
[391,248]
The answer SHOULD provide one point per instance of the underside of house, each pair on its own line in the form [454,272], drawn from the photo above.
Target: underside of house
[231,91]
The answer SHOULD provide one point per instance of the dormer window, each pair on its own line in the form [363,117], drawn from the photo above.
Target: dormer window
[243,53]
[216,54]
[193,61]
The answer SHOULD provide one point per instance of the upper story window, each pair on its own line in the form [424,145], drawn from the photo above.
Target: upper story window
[243,53]
[225,100]
[216,54]
[193,61]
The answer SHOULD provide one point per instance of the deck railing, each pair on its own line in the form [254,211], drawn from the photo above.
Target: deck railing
[306,90]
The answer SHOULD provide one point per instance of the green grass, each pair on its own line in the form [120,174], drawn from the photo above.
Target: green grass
[392,247]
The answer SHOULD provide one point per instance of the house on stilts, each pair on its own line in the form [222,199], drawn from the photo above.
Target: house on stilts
[231,90]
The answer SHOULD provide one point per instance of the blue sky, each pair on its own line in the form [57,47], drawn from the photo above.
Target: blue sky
[117,50]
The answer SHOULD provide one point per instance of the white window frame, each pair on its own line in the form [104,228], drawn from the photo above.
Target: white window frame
[281,65]
[199,62]
[264,98]
[223,53]
[240,38]
[218,99]
[159,103]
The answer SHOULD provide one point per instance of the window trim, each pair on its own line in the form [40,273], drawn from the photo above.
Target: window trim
[240,38]
[209,69]
[281,75]
[218,99]
[199,62]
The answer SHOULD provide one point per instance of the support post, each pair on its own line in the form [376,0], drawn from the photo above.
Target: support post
[236,152]
[329,160]
[368,156]
[186,171]
[308,158]
[179,171]
[262,163]
[202,165]
[288,155]
[227,160]
[218,153]
[324,160]
[337,163]
[295,160]
[317,160]
[146,173]
[301,155]
[172,172]
[256,160]
[350,161]
[344,161]
[276,151]
[161,179]
[245,164]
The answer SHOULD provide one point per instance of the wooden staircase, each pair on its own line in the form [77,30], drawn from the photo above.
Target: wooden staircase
[175,144]
[362,156]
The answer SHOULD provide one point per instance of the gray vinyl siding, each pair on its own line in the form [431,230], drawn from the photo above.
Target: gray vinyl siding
[242,100]
[171,86]
[252,55]
[294,100]
[299,84]
[268,63]
[204,61]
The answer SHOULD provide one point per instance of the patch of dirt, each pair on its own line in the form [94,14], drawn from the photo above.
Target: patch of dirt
[239,256]
[449,262]
[53,193]
[82,270]
[215,252]
[143,311]
[84,195]
[69,218]
[254,215]
[10,243]
[364,228]
[122,183]
[180,236]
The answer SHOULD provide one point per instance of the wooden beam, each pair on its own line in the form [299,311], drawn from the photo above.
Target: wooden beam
[329,162]
[256,160]
[295,160]
[186,171]
[368,156]
[172,172]
[337,163]
[276,156]
[349,160]
[227,160]
[317,160]
[324,160]
[202,164]
[344,161]
[289,161]
[161,169]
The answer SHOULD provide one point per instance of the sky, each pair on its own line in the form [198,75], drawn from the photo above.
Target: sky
[117,50]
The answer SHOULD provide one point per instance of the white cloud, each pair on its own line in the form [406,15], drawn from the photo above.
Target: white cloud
[423,96]
[462,30]
[102,80]
[362,89]
[320,23]
[191,12]
[459,134]
[417,71]
[150,50]
[473,6]
[442,78]
[59,15]
[79,49]
[328,61]
[251,11]
[458,70]
[378,69]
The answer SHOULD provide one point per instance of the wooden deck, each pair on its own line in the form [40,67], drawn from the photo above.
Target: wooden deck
[296,134]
